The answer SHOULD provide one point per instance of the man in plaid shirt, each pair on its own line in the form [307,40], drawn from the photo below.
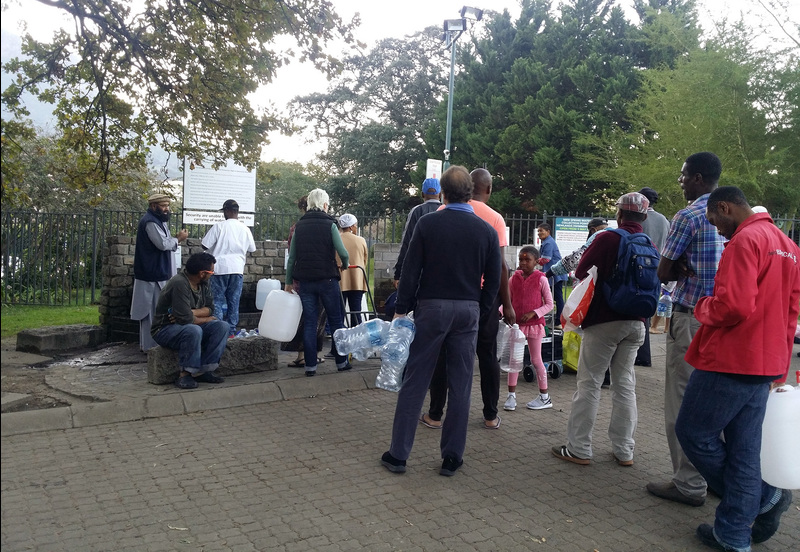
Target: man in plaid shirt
[690,257]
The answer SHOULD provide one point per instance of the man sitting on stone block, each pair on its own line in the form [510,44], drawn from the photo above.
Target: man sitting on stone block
[184,321]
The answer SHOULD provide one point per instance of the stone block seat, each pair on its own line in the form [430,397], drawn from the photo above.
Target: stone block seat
[243,355]
[52,340]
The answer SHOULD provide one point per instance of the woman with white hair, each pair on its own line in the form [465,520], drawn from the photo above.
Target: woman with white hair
[353,284]
[312,264]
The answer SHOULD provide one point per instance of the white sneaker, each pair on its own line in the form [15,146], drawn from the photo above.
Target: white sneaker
[539,403]
[511,403]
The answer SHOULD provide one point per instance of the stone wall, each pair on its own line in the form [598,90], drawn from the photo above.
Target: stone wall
[385,258]
[267,261]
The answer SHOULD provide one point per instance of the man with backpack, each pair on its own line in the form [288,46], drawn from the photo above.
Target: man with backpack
[611,336]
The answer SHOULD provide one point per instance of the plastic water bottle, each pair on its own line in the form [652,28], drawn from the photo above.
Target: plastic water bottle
[368,334]
[394,353]
[664,308]
[514,356]
[242,333]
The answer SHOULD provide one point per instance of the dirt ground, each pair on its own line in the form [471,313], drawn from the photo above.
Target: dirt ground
[30,381]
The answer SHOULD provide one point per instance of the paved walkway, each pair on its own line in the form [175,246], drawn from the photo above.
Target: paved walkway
[278,461]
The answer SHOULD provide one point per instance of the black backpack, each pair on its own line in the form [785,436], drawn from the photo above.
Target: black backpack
[633,288]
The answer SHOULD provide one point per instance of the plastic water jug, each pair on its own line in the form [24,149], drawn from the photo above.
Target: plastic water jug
[280,316]
[264,286]
[514,352]
[780,439]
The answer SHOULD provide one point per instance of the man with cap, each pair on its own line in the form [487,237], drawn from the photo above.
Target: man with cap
[610,340]
[153,264]
[431,192]
[656,226]
[229,241]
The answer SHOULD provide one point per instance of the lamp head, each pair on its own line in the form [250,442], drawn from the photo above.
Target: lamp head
[471,13]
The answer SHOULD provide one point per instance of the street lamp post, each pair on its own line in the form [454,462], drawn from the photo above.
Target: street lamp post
[453,28]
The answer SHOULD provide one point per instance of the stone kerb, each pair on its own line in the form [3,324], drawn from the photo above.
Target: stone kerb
[243,355]
[267,261]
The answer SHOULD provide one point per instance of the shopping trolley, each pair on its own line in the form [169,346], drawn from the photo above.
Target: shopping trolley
[366,314]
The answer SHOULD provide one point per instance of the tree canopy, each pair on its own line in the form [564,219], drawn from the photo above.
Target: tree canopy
[173,73]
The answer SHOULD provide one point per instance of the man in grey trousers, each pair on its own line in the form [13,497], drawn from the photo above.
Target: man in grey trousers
[450,252]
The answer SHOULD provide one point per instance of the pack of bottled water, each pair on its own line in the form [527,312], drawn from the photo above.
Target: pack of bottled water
[394,353]
[361,340]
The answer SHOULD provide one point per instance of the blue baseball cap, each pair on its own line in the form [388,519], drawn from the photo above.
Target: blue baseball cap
[431,186]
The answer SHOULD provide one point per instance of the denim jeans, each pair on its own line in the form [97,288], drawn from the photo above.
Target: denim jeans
[199,346]
[312,292]
[719,428]
[354,300]
[227,290]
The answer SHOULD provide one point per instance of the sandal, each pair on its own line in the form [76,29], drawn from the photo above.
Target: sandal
[297,364]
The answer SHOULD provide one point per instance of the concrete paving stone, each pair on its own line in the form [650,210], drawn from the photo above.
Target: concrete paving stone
[282,475]
[11,399]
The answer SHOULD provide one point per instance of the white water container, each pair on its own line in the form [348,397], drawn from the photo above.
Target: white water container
[265,285]
[780,439]
[280,316]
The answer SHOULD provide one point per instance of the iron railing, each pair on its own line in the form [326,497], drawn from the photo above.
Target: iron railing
[56,258]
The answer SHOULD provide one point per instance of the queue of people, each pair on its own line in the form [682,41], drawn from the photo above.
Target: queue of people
[727,345]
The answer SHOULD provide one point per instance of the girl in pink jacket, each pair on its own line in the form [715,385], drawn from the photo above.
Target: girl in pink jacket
[532,300]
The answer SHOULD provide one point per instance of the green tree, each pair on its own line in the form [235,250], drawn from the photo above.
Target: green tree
[39,173]
[373,117]
[729,97]
[531,89]
[280,184]
[176,73]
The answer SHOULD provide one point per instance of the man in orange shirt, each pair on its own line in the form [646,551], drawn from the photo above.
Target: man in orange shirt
[487,327]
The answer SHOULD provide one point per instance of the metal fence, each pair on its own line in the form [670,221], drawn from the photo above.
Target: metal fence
[56,258]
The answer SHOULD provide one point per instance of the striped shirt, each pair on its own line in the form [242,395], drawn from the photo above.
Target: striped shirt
[691,234]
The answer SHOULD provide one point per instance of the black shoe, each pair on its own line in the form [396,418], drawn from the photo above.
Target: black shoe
[208,377]
[641,363]
[345,368]
[393,464]
[706,535]
[668,491]
[185,382]
[449,466]
[311,373]
[767,523]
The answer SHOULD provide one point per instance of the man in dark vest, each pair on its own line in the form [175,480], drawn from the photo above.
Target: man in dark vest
[153,264]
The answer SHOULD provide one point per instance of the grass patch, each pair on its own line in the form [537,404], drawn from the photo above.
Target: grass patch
[16,318]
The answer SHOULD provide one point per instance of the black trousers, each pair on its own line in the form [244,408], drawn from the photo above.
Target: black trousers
[488,366]
[643,354]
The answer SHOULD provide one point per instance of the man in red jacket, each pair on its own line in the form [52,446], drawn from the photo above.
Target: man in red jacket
[743,346]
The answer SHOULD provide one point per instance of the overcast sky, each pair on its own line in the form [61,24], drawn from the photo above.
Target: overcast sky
[379,19]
